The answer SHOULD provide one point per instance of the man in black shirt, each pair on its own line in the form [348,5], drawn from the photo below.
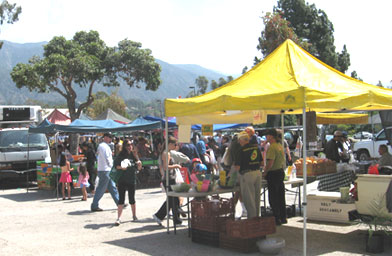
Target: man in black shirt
[333,146]
[248,162]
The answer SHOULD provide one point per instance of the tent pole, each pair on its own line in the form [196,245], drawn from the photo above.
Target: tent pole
[304,171]
[167,169]
[284,149]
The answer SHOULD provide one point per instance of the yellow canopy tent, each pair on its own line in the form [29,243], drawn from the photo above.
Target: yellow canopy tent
[341,118]
[288,79]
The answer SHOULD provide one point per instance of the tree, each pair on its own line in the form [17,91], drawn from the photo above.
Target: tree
[84,61]
[102,102]
[9,13]
[313,26]
[214,85]
[202,84]
[379,84]
[276,31]
[355,75]
[221,81]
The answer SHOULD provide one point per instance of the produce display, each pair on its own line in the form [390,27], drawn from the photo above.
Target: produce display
[315,166]
[225,182]
[181,187]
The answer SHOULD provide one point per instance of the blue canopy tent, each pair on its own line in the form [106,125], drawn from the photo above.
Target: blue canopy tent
[82,126]
[216,127]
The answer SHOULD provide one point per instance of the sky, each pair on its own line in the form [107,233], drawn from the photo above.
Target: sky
[221,35]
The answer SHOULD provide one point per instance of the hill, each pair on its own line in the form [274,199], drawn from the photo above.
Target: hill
[176,79]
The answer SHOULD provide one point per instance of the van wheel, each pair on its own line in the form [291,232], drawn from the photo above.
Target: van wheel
[363,155]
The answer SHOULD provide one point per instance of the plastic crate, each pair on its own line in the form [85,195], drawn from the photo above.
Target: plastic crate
[211,224]
[211,208]
[251,228]
[246,245]
[205,237]
[210,215]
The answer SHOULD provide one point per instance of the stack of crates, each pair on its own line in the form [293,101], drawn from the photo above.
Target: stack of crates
[242,235]
[46,175]
[209,218]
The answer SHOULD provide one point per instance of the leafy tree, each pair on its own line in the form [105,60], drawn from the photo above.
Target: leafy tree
[221,81]
[276,31]
[355,75]
[85,61]
[202,84]
[313,26]
[102,102]
[9,13]
[214,85]
[379,84]
[244,70]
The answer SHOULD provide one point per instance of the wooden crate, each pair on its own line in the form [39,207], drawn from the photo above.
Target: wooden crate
[205,237]
[251,228]
[245,245]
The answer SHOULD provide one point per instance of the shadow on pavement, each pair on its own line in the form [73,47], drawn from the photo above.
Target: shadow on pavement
[32,195]
[98,226]
[84,212]
[319,242]
[147,228]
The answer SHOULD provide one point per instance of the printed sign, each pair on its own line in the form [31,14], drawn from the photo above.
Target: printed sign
[207,129]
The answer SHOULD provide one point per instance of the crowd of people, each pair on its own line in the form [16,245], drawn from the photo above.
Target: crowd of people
[245,153]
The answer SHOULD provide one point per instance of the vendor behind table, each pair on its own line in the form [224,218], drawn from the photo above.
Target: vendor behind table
[274,173]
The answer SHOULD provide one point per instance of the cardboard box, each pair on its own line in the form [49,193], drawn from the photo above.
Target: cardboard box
[326,207]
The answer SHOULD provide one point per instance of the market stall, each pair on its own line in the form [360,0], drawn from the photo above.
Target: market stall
[289,80]
[48,173]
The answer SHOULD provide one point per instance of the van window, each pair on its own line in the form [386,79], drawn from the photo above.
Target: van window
[20,140]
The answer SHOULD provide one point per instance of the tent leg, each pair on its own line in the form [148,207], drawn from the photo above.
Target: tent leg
[304,201]
[167,170]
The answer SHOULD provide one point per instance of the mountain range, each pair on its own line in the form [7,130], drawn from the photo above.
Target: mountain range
[176,79]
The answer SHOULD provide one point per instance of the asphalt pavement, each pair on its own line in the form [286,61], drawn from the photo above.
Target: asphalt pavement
[37,223]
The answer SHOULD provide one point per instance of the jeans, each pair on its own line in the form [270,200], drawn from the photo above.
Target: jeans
[104,183]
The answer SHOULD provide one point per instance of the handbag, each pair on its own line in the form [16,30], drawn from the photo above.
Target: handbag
[115,174]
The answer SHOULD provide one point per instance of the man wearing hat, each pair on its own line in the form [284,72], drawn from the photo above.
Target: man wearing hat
[104,165]
[274,173]
[334,147]
[248,162]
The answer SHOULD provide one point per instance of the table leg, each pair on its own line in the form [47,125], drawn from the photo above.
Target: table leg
[299,200]
[189,218]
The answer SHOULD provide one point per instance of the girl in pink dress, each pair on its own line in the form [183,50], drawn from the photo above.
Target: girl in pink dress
[66,177]
[83,180]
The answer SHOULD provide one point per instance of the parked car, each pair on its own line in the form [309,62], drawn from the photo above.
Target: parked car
[363,135]
[367,149]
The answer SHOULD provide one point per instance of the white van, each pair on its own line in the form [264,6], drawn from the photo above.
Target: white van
[20,151]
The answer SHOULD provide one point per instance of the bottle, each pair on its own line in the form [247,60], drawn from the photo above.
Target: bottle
[294,172]
[222,178]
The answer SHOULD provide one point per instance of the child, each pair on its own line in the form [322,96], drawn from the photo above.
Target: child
[195,162]
[66,177]
[83,180]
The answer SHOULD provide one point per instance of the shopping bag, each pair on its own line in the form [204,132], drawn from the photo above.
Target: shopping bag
[373,169]
[115,174]
[184,174]
[179,178]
